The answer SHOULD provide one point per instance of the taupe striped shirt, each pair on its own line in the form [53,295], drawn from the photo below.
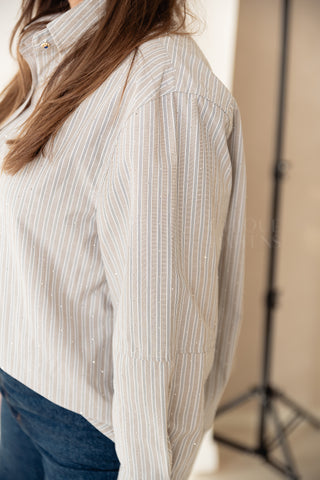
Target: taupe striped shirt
[122,249]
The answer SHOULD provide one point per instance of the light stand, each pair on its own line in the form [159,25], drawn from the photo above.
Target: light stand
[266,391]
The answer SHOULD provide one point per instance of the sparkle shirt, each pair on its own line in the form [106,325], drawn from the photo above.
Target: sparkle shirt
[122,249]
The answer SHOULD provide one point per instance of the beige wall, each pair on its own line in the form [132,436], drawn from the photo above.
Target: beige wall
[296,352]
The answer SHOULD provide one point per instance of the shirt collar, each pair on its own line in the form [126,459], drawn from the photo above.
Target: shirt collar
[67,28]
[64,29]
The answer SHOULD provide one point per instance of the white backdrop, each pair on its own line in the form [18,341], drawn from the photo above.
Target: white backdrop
[217,40]
[8,17]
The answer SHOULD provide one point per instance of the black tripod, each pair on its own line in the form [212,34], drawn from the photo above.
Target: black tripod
[266,391]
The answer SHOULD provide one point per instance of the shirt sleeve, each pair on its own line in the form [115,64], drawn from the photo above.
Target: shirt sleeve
[161,215]
[231,273]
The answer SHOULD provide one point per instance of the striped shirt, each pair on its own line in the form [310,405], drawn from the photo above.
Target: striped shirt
[122,249]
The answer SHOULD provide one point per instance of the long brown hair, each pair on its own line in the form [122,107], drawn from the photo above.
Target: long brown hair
[125,25]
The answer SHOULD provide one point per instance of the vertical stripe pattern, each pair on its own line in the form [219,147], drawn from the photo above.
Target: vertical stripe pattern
[122,249]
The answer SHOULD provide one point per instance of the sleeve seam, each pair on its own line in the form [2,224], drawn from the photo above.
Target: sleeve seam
[152,359]
[226,112]
[199,95]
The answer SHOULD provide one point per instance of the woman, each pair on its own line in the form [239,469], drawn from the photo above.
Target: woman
[122,207]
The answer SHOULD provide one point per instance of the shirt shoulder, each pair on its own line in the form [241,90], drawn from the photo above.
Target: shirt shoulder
[175,63]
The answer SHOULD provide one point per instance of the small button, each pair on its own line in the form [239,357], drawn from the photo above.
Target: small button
[45,44]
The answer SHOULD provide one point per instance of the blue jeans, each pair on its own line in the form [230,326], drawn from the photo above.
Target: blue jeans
[42,441]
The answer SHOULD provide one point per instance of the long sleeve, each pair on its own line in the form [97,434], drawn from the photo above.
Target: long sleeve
[231,273]
[161,214]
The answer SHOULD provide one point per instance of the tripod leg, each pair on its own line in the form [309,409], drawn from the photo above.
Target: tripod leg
[286,429]
[315,422]
[291,468]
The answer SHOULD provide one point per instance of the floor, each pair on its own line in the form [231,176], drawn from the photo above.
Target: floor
[241,425]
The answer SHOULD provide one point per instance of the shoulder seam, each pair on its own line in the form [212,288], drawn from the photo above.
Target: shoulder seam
[226,112]
[116,140]
[173,68]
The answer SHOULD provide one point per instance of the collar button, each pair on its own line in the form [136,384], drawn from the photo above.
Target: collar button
[45,44]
